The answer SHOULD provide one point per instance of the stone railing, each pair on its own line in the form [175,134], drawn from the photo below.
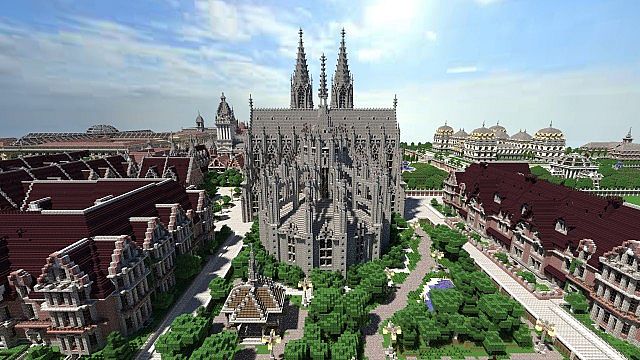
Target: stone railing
[425,192]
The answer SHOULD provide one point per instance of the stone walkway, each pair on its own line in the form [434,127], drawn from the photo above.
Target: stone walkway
[293,324]
[373,340]
[198,293]
[575,336]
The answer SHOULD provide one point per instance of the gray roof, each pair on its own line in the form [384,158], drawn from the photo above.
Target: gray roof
[521,135]
[270,120]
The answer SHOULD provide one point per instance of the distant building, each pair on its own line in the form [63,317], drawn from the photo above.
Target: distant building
[576,166]
[323,182]
[494,144]
[623,150]
[571,238]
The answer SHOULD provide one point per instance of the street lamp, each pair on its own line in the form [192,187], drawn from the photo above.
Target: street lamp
[547,328]
[389,273]
[437,255]
[271,340]
[394,331]
[305,284]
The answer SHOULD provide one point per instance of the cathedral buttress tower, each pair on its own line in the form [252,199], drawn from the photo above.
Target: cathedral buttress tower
[301,92]
[342,88]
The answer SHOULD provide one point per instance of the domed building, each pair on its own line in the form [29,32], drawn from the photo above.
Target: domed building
[457,142]
[442,138]
[102,129]
[548,143]
[481,145]
[495,144]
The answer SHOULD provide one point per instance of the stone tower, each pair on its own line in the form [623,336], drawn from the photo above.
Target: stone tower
[226,124]
[301,82]
[200,122]
[342,88]
[323,182]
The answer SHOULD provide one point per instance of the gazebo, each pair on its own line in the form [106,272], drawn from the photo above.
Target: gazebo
[254,307]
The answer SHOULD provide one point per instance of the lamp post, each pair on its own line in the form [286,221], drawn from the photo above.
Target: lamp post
[306,285]
[547,328]
[271,340]
[394,331]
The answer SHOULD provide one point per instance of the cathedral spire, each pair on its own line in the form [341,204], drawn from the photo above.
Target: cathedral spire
[301,92]
[323,93]
[342,89]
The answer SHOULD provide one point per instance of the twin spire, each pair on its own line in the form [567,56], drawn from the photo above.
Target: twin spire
[341,84]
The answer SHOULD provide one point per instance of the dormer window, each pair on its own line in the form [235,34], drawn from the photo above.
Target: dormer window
[561,227]
[524,209]
[496,198]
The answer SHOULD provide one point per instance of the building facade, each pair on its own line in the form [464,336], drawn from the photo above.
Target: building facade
[576,240]
[84,258]
[494,144]
[323,181]
[617,150]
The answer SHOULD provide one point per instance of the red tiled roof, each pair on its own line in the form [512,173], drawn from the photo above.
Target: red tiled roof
[31,236]
[178,165]
[606,222]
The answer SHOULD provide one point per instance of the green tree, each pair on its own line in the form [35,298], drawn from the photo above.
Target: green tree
[219,289]
[446,300]
[220,346]
[325,279]
[493,345]
[318,350]
[187,266]
[226,199]
[577,301]
[296,350]
[43,353]
[186,333]
[346,348]
[117,347]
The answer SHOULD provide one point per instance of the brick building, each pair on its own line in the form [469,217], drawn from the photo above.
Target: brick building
[572,238]
[82,258]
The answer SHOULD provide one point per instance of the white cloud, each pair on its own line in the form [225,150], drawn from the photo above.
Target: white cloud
[369,54]
[462,69]
[486,2]
[431,35]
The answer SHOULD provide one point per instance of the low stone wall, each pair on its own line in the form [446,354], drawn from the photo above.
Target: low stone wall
[558,294]
[416,192]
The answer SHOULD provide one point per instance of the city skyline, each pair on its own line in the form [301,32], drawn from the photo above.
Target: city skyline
[68,65]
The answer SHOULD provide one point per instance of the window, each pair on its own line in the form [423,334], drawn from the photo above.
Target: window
[291,248]
[625,328]
[326,252]
[618,277]
[561,227]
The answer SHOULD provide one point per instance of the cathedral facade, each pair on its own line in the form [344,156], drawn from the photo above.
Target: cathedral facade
[323,181]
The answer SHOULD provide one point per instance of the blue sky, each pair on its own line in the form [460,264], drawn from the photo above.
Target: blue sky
[65,65]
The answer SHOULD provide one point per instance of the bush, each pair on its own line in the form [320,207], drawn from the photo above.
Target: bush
[527,276]
[502,257]
[187,266]
[577,301]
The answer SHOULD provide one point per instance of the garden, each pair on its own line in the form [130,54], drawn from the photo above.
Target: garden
[341,306]
[424,177]
[469,319]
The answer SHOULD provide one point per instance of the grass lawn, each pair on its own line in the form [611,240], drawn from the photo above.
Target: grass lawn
[399,278]
[632,199]
[262,349]
[13,353]
[295,300]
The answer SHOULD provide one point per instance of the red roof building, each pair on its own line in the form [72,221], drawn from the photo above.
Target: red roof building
[558,233]
[71,257]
